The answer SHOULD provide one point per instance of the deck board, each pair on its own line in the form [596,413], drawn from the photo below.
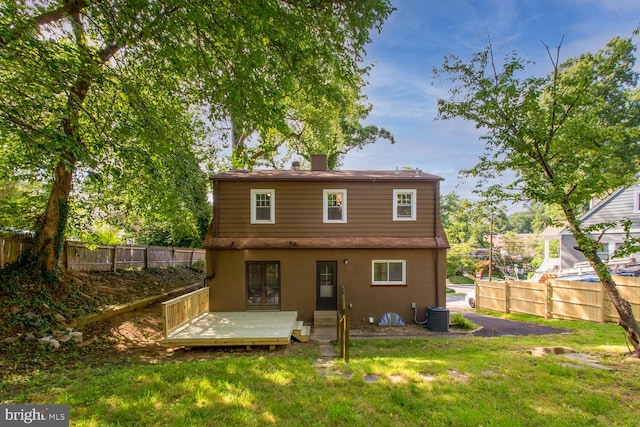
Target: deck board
[236,328]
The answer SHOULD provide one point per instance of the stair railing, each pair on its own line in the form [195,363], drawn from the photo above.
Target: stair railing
[343,326]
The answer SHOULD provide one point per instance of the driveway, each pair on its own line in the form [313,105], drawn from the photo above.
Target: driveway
[494,327]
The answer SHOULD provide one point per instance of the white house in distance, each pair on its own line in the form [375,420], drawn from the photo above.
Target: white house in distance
[620,205]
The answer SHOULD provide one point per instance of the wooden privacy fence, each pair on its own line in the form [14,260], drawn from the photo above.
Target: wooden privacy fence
[79,256]
[184,309]
[558,299]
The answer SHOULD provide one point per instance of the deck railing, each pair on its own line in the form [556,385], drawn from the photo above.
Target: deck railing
[183,309]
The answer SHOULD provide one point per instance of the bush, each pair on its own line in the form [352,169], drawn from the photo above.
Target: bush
[199,265]
[460,322]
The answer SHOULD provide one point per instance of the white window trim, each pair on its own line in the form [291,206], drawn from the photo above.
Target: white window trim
[387,282]
[325,205]
[413,193]
[636,201]
[272,207]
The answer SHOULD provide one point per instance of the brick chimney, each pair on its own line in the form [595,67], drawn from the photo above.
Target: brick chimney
[318,162]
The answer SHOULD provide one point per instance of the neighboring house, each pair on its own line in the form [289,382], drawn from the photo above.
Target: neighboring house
[620,205]
[291,239]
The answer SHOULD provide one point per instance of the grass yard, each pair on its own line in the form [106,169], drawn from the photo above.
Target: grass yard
[437,382]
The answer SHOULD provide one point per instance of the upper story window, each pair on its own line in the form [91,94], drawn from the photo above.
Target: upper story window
[263,206]
[334,206]
[386,272]
[636,201]
[404,205]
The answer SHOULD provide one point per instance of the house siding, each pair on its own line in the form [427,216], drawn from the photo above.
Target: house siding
[299,238]
[424,269]
[299,209]
[619,206]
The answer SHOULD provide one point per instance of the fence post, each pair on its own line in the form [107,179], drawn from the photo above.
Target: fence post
[115,258]
[1,252]
[547,299]
[506,296]
[603,297]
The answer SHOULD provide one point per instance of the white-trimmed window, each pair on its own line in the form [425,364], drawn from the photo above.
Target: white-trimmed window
[389,272]
[263,206]
[404,205]
[334,205]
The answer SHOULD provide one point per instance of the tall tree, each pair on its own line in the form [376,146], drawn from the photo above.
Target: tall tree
[568,136]
[85,82]
[469,222]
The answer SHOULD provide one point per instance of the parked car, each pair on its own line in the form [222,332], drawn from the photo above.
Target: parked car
[470,298]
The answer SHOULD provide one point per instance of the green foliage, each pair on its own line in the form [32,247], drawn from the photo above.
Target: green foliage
[550,130]
[465,221]
[458,321]
[460,258]
[125,97]
[567,137]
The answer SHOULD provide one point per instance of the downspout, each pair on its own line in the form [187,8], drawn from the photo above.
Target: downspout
[436,203]
[216,218]
[211,272]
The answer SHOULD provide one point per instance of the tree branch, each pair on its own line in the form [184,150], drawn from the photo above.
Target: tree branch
[45,18]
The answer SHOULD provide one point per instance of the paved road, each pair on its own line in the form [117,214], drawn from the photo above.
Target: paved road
[457,302]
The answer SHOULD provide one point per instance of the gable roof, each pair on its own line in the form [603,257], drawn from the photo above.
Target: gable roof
[325,175]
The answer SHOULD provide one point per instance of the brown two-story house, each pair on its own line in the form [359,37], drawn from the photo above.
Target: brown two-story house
[290,240]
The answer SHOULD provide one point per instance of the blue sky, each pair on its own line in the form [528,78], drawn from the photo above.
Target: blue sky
[420,33]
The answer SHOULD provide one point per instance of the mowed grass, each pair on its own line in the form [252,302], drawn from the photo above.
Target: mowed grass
[434,381]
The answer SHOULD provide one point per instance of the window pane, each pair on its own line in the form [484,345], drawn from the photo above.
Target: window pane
[404,202]
[334,206]
[380,272]
[263,206]
[263,214]
[254,283]
[395,272]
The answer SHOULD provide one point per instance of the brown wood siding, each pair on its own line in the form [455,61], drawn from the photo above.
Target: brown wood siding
[299,210]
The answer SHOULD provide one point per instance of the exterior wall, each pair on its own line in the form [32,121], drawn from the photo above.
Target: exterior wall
[424,269]
[619,206]
[568,255]
[299,209]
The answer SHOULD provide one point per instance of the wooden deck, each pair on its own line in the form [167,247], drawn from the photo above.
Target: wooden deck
[247,328]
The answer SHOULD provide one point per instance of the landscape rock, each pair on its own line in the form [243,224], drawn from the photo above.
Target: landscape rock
[60,318]
[75,337]
[52,342]
[29,336]
[10,340]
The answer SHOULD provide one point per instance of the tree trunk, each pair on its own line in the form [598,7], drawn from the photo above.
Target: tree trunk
[49,240]
[588,247]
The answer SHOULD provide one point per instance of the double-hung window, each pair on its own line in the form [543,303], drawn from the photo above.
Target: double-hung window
[263,206]
[389,272]
[404,205]
[335,206]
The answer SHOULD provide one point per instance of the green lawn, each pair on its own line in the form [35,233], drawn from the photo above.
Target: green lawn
[435,381]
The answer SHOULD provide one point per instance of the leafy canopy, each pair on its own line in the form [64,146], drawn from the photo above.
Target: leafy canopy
[568,136]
